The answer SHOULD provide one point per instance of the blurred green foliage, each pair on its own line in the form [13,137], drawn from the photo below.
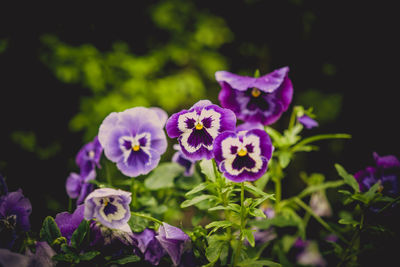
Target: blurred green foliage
[3,45]
[173,74]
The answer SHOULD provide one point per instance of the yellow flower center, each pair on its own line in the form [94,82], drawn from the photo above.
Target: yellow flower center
[199,126]
[255,92]
[242,153]
[136,147]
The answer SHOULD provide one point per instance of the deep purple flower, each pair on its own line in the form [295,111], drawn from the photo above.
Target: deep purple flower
[68,223]
[89,157]
[42,257]
[17,208]
[134,139]
[307,122]
[246,126]
[182,160]
[110,207]
[261,99]
[386,171]
[149,246]
[78,186]
[197,128]
[174,241]
[243,156]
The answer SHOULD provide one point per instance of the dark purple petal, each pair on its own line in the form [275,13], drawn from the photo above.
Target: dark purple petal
[173,240]
[366,178]
[89,156]
[68,223]
[308,122]
[386,162]
[149,246]
[144,238]
[15,203]
[12,259]
[43,255]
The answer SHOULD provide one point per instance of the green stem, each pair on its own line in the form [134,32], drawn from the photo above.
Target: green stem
[278,191]
[70,205]
[317,138]
[292,119]
[242,225]
[146,217]
[134,193]
[318,218]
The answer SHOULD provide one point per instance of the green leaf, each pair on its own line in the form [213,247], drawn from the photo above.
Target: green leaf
[371,193]
[255,190]
[188,182]
[218,208]
[125,260]
[276,136]
[207,168]
[248,234]
[79,235]
[88,255]
[217,225]
[284,157]
[349,221]
[196,200]
[256,212]
[348,178]
[214,249]
[314,188]
[137,224]
[69,257]
[49,231]
[255,262]
[163,176]
[198,188]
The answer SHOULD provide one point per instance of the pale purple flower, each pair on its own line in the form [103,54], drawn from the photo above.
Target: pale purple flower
[184,161]
[149,246]
[162,115]
[308,253]
[386,171]
[197,128]
[261,99]
[174,241]
[320,205]
[88,157]
[134,139]
[78,186]
[68,223]
[110,207]
[307,122]
[243,156]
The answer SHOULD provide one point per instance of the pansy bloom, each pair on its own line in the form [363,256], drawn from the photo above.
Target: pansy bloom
[78,186]
[307,121]
[197,128]
[134,139]
[149,246]
[88,157]
[182,160]
[68,223]
[110,207]
[261,99]
[174,241]
[386,171]
[243,156]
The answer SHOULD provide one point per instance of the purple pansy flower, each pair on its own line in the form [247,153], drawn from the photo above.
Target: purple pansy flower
[243,156]
[134,139]
[78,186]
[68,223]
[149,246]
[14,217]
[174,241]
[89,157]
[386,172]
[197,128]
[182,160]
[110,207]
[307,122]
[308,253]
[261,99]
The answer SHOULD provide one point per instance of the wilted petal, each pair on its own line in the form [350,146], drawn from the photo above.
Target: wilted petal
[173,240]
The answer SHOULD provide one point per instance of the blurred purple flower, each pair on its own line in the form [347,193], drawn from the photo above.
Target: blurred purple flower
[320,205]
[182,160]
[78,186]
[197,128]
[134,139]
[14,217]
[149,246]
[89,157]
[246,126]
[68,223]
[42,257]
[243,156]
[308,253]
[261,99]
[307,122]
[386,171]
[110,207]
[174,241]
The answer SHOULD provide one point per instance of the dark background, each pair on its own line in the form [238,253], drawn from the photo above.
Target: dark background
[357,38]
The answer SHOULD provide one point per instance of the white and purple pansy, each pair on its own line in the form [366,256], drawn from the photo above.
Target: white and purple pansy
[110,207]
[243,156]
[197,128]
[134,139]
[256,99]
